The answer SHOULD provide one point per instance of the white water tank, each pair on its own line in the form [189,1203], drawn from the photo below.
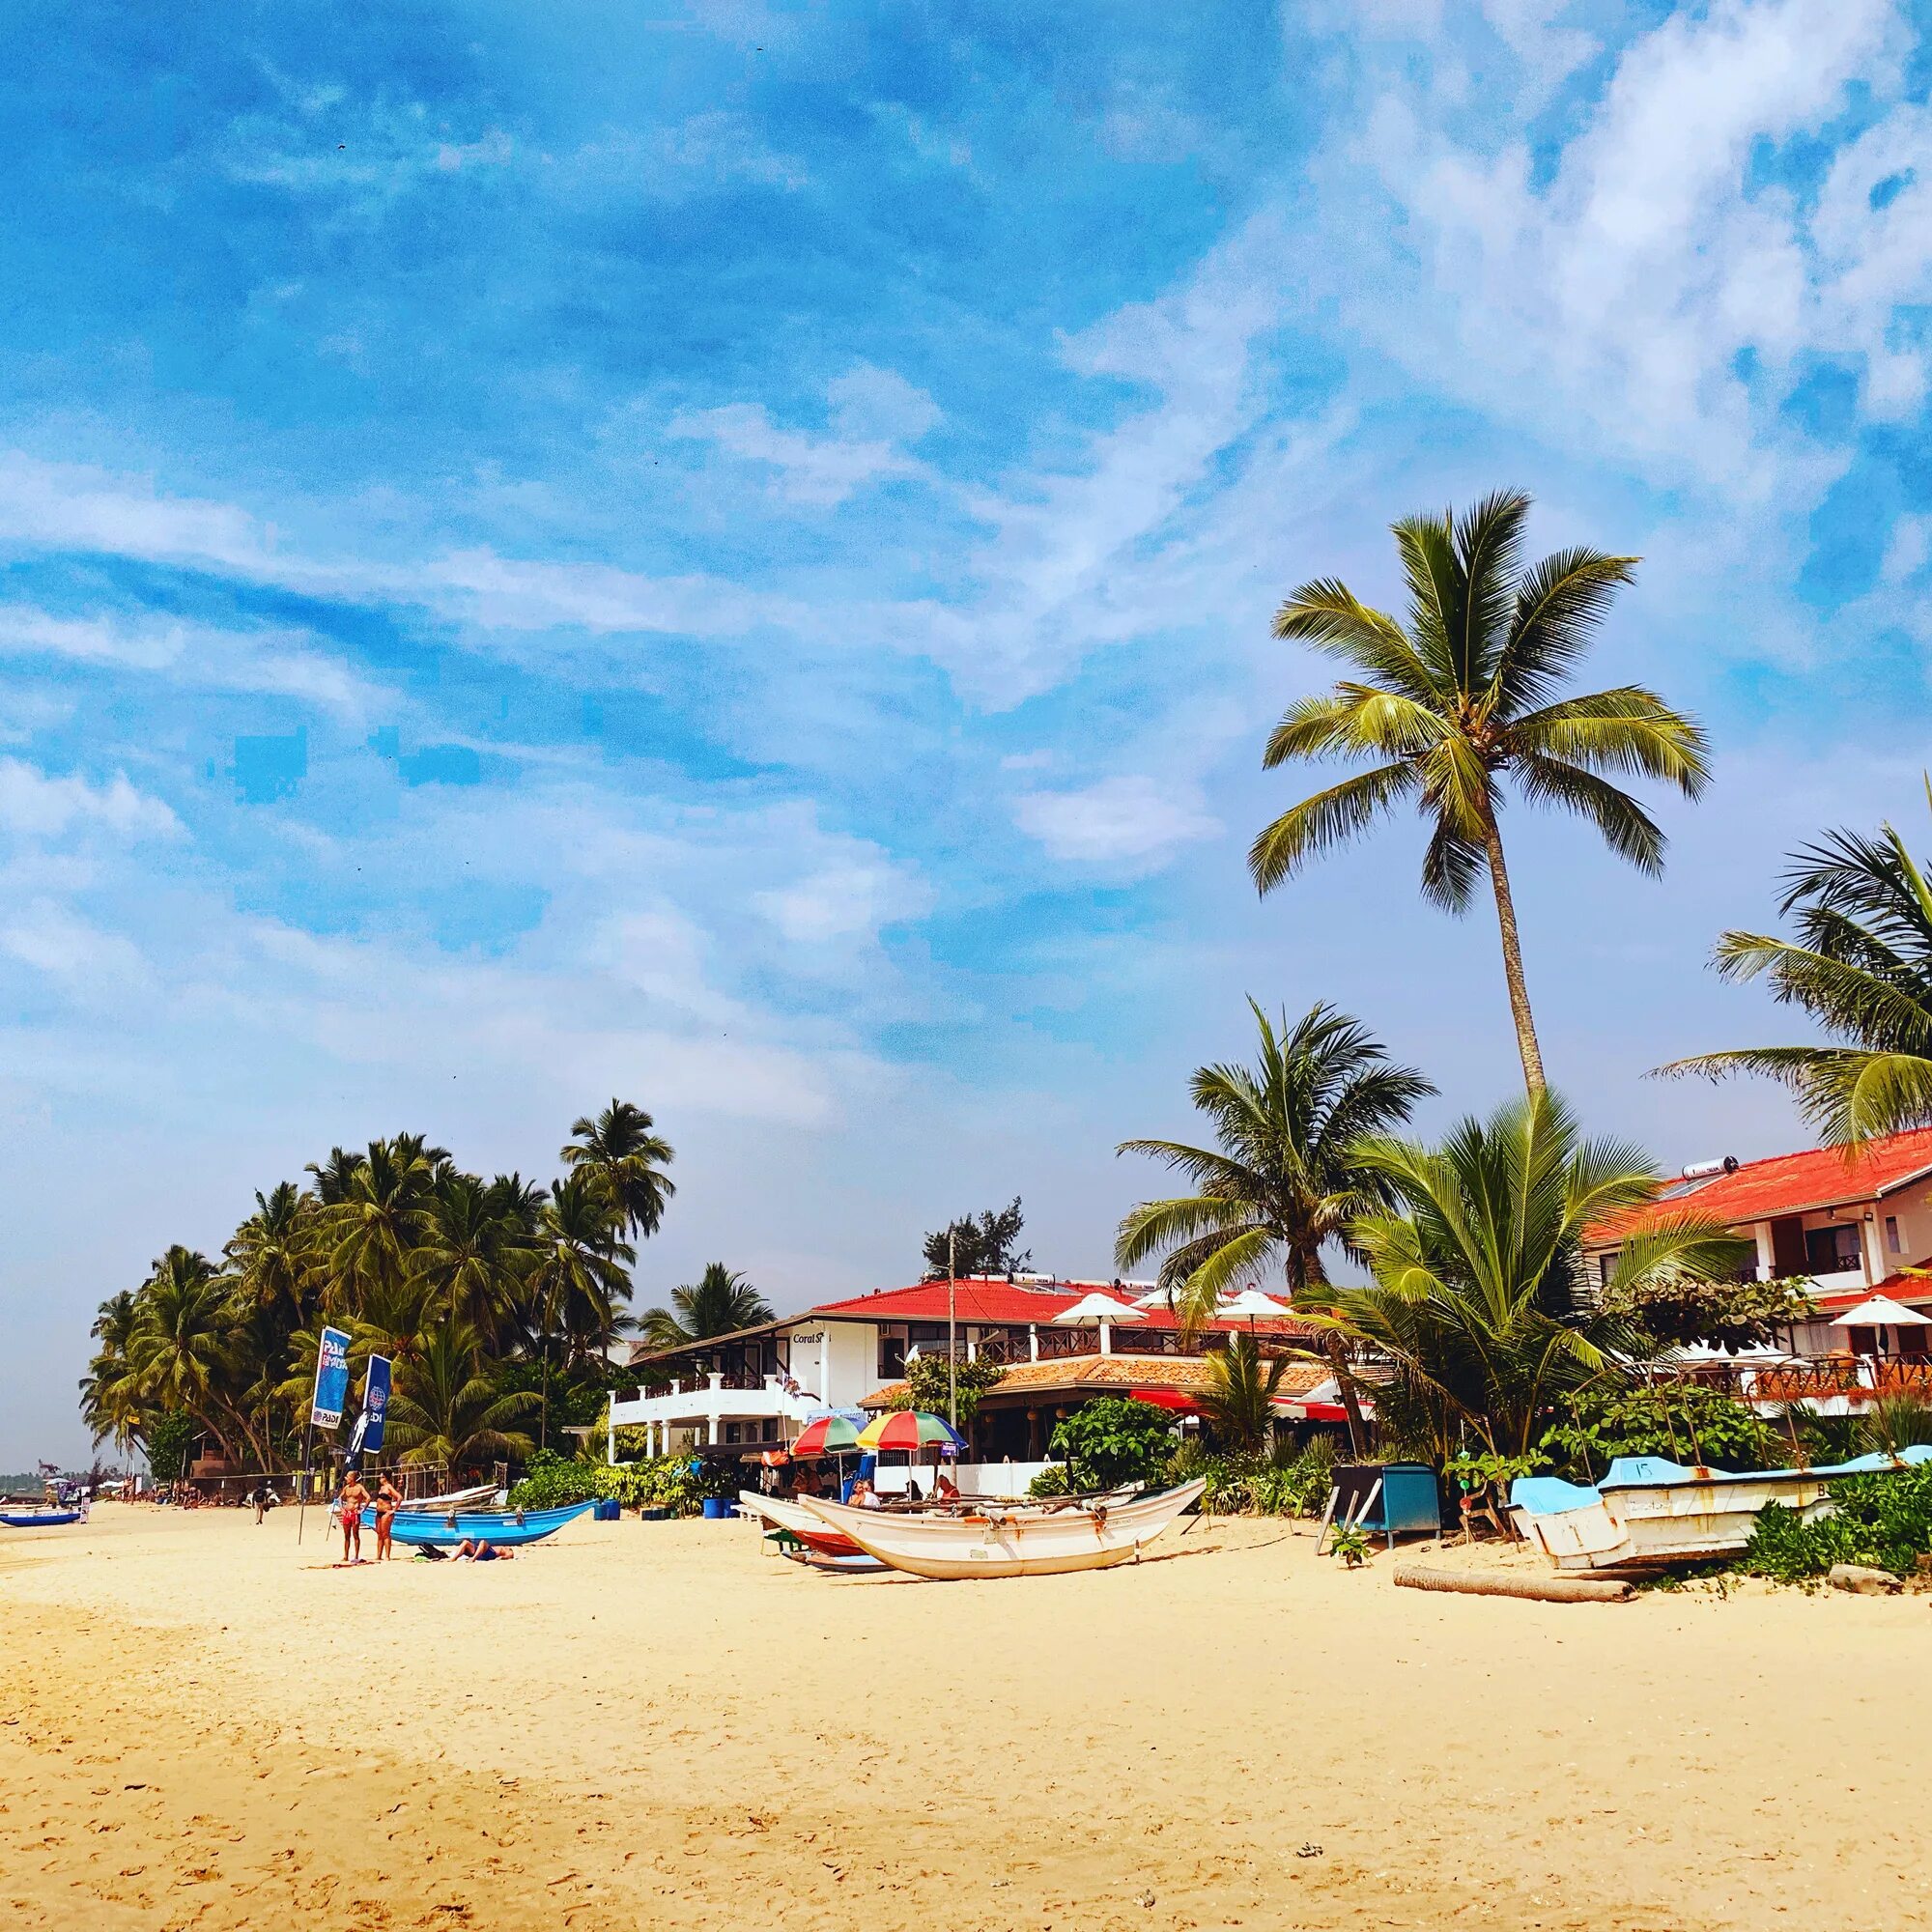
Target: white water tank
[1709,1170]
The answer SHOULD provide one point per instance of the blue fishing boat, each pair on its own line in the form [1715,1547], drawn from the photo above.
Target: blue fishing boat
[38,1518]
[507,1529]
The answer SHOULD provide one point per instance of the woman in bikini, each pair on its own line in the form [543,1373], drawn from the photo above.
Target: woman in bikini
[387,1497]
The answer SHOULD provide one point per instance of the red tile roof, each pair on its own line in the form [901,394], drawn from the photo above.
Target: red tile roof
[1899,1286]
[1007,1303]
[1788,1183]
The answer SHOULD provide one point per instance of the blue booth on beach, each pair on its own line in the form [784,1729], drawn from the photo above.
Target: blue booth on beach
[1390,1498]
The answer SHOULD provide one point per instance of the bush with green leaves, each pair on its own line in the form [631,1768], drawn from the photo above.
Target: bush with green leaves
[1288,1483]
[1884,1521]
[1683,1421]
[1113,1441]
[169,1441]
[930,1385]
[552,1481]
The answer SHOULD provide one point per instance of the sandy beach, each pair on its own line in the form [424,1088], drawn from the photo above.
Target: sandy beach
[201,1724]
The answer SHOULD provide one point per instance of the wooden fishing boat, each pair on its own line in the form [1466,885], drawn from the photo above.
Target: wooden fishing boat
[507,1529]
[795,1520]
[1649,1511]
[990,1541]
[39,1519]
[453,1499]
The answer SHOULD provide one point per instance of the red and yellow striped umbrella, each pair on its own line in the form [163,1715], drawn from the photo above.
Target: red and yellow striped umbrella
[909,1428]
[827,1435]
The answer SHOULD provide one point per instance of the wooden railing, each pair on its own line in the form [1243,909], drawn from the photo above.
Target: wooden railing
[1862,1378]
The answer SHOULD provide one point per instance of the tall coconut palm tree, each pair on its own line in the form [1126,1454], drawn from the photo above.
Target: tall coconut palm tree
[474,1254]
[183,1327]
[271,1253]
[578,1276]
[385,1213]
[621,1148]
[1465,694]
[1861,965]
[447,1412]
[720,1303]
[111,1393]
[1479,1294]
[1282,1182]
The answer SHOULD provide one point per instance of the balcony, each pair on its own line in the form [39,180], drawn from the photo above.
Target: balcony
[709,1398]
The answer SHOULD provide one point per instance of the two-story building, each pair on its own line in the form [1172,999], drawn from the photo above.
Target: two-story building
[1850,1224]
[760,1386]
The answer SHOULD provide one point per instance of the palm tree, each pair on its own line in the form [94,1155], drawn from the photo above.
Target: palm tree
[578,1275]
[473,1252]
[110,1396]
[1862,966]
[1479,1295]
[1237,1402]
[447,1412]
[1465,694]
[1281,1180]
[384,1215]
[184,1325]
[722,1303]
[621,1147]
[271,1252]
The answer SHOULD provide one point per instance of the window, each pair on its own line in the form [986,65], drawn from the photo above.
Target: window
[892,1349]
[1891,1240]
[1831,1250]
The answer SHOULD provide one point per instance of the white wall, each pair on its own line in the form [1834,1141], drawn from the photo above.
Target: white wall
[851,1356]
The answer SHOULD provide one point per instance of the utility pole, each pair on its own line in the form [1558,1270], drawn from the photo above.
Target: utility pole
[952,1326]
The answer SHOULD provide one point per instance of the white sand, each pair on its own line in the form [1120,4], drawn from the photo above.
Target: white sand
[657,1726]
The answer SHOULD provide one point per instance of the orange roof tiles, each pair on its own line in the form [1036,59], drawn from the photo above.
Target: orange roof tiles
[1787,1184]
[1124,1374]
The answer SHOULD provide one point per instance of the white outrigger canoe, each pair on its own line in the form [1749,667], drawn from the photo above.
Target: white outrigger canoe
[1021,1541]
[1650,1511]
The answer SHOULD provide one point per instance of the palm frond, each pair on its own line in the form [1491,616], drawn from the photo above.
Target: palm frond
[1326,820]
[1559,603]
[1627,829]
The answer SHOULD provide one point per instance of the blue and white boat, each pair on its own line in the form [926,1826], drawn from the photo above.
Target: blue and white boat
[43,1518]
[507,1529]
[1649,1509]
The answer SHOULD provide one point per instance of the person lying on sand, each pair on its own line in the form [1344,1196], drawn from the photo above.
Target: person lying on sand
[482,1551]
[351,1504]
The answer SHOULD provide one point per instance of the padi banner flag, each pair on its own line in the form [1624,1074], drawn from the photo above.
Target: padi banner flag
[331,1380]
[375,1404]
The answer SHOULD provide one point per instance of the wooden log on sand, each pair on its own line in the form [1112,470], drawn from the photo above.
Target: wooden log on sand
[1513,1584]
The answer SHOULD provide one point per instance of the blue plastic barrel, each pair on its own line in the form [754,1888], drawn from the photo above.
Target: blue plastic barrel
[717,1509]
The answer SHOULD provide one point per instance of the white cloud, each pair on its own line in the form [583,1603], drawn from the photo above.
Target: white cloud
[88,961]
[34,806]
[1620,289]
[199,656]
[873,413]
[1130,822]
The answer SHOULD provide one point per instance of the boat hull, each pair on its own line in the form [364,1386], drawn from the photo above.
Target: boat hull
[1009,1543]
[507,1529]
[38,1518]
[795,1520]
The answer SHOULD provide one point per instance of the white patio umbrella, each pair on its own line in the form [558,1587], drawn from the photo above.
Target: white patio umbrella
[1252,1302]
[1880,1311]
[1155,1299]
[1099,1311]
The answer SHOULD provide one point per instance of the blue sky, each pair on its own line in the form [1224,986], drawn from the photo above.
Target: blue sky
[723,556]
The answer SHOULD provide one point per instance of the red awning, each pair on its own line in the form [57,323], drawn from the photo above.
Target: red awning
[1175,1398]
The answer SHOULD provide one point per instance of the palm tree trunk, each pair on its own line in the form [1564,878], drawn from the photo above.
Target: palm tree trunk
[1352,1408]
[1519,989]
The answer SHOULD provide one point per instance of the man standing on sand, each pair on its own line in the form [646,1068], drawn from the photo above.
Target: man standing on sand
[350,1503]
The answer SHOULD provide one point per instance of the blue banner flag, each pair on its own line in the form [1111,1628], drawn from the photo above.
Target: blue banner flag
[375,1403]
[331,1380]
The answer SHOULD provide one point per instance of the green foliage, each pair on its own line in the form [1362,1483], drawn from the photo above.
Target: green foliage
[1895,1422]
[1113,1441]
[1683,1421]
[1884,1521]
[1050,1482]
[1351,1543]
[1281,1180]
[1478,1293]
[1674,1308]
[170,1438]
[552,1482]
[664,1482]
[468,1285]
[1287,1482]
[721,1302]
[928,1385]
[1860,963]
[982,1244]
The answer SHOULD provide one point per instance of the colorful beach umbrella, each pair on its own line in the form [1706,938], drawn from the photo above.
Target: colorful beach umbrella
[910,1429]
[827,1435]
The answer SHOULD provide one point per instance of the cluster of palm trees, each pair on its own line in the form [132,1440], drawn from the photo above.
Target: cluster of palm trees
[492,1299]
[1475,1301]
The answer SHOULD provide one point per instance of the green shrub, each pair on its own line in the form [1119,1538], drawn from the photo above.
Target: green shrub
[1113,1441]
[1051,1482]
[1297,1486]
[553,1482]
[1884,1521]
[1683,1421]
[169,1441]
